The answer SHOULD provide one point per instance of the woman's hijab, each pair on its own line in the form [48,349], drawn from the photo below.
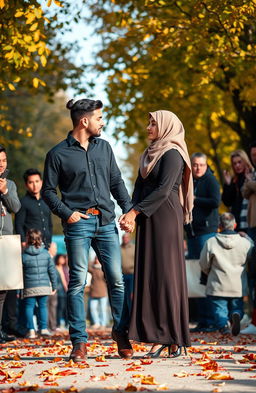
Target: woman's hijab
[171,135]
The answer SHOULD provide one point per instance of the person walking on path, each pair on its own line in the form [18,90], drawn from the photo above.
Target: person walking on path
[34,212]
[9,203]
[83,166]
[223,259]
[162,202]
[40,281]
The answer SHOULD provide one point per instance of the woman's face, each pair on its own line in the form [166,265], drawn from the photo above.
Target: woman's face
[152,129]
[238,165]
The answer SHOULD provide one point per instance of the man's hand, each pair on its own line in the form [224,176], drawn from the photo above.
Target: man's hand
[3,186]
[76,216]
[127,221]
[53,292]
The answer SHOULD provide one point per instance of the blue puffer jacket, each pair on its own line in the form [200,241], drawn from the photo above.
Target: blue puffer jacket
[39,272]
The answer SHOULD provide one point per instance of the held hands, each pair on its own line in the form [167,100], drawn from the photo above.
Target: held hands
[127,221]
[76,216]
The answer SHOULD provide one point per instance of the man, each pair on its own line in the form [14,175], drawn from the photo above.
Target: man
[34,212]
[9,203]
[204,224]
[128,250]
[223,259]
[84,168]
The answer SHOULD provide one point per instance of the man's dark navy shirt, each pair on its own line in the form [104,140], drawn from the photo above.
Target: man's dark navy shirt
[85,179]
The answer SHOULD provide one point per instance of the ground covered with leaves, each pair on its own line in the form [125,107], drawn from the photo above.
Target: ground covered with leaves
[215,363]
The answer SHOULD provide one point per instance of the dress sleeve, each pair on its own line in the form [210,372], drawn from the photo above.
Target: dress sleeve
[171,165]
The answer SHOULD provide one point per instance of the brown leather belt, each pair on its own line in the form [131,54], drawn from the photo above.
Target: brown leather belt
[94,212]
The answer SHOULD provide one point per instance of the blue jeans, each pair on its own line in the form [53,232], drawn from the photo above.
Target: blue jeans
[98,310]
[224,307]
[79,237]
[29,306]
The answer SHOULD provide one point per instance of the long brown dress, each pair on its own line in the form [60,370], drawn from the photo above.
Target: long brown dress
[160,303]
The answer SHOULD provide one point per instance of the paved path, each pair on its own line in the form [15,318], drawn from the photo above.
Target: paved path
[43,365]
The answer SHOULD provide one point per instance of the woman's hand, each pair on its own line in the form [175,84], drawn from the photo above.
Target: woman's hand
[227,177]
[127,221]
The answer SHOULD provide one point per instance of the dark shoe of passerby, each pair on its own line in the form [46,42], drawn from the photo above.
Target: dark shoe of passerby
[5,338]
[225,330]
[79,353]
[235,324]
[123,344]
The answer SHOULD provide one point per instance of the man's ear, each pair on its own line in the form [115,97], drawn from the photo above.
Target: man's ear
[84,121]
[235,225]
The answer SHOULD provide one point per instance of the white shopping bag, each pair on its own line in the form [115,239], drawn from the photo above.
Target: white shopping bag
[11,274]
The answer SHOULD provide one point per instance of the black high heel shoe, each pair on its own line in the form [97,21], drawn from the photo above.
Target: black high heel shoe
[175,354]
[157,353]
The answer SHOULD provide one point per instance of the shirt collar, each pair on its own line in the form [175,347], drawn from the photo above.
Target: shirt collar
[72,141]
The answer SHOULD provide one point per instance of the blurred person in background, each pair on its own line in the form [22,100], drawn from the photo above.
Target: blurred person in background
[9,203]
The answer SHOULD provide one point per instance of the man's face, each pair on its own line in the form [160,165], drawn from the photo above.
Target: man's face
[126,238]
[3,162]
[199,167]
[253,155]
[95,123]
[34,184]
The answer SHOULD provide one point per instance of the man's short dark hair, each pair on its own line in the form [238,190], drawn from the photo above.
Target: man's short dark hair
[80,108]
[30,172]
[2,149]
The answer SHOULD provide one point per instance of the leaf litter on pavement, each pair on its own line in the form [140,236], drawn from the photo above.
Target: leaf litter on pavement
[41,364]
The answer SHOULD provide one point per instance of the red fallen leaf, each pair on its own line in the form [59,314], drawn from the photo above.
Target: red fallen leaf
[135,368]
[16,364]
[250,356]
[138,376]
[10,390]
[216,390]
[148,380]
[253,376]
[218,376]
[131,388]
[51,383]
[109,374]
[146,361]
[70,363]
[56,360]
[100,358]
[239,349]
[66,372]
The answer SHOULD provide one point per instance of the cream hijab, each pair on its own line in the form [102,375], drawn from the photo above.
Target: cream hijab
[170,136]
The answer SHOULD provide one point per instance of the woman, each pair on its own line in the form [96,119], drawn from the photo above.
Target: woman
[232,196]
[162,202]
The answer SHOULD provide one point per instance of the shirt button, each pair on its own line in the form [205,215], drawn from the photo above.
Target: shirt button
[94,185]
[39,204]
[43,219]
